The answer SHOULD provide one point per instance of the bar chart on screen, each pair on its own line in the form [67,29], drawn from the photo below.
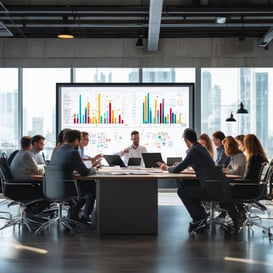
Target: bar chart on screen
[109,112]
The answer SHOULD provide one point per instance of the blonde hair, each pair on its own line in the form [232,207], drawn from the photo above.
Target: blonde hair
[209,147]
[253,146]
[240,141]
[231,146]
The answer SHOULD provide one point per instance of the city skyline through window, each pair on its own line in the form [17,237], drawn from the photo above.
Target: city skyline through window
[222,90]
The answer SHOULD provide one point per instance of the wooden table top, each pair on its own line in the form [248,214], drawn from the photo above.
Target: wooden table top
[108,173]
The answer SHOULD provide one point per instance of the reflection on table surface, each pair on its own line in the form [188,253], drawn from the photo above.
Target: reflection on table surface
[119,172]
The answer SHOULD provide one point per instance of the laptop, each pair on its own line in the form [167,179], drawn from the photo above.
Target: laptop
[114,160]
[134,161]
[172,160]
[150,159]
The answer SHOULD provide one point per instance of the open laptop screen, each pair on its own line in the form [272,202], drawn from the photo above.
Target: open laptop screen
[134,161]
[172,160]
[114,160]
[150,159]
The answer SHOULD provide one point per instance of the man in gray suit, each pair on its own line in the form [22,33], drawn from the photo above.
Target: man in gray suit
[23,166]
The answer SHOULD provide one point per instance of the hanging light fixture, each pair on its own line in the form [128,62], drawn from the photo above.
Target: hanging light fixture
[139,43]
[65,33]
[231,118]
[242,110]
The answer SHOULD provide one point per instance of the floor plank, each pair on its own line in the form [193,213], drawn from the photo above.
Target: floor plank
[172,251]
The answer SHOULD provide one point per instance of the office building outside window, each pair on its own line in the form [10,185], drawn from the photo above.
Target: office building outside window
[106,75]
[39,103]
[185,75]
[8,110]
[222,91]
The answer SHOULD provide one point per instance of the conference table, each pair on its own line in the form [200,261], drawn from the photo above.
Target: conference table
[127,198]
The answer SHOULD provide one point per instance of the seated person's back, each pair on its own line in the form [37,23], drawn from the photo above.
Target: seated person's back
[23,166]
[69,158]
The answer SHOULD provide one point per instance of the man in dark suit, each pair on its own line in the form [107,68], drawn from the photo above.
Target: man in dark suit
[69,158]
[192,193]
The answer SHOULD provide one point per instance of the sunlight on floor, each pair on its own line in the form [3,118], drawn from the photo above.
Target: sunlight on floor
[168,198]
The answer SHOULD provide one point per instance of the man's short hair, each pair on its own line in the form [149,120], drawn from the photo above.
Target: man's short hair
[25,141]
[37,138]
[84,133]
[72,136]
[134,133]
[190,135]
[219,135]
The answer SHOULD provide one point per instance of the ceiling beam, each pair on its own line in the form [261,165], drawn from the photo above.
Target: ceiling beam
[154,24]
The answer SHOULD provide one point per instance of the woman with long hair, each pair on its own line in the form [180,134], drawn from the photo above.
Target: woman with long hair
[240,141]
[205,141]
[255,156]
[237,162]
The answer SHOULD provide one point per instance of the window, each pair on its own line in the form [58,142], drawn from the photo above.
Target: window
[106,75]
[8,110]
[186,75]
[223,89]
[39,103]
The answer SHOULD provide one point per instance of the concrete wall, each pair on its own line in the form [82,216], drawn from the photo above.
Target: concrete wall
[207,52]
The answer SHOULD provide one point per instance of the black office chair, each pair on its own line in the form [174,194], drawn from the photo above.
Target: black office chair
[249,193]
[12,155]
[216,192]
[22,193]
[58,190]
[4,215]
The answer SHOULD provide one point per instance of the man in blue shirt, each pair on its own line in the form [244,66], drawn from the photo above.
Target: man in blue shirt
[222,159]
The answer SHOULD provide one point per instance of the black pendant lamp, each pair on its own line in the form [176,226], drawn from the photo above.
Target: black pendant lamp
[242,110]
[231,118]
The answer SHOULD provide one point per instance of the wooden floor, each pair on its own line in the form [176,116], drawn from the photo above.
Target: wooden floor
[172,251]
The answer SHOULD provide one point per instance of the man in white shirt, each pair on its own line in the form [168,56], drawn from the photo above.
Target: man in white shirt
[37,148]
[134,150]
[95,161]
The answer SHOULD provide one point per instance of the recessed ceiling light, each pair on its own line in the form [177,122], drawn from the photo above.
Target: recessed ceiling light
[221,20]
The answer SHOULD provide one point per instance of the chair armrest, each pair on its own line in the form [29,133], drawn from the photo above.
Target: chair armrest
[234,184]
[22,182]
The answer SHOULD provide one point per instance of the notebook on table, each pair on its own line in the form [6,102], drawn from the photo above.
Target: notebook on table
[150,159]
[114,160]
[172,160]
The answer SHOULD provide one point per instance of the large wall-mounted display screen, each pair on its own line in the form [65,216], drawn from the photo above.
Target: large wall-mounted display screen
[109,112]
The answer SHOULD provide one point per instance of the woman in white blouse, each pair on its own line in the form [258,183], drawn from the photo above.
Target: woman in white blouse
[237,164]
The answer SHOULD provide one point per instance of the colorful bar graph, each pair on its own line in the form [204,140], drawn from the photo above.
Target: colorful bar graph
[155,112]
[107,116]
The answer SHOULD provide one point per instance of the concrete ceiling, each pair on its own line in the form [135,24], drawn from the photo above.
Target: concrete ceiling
[152,19]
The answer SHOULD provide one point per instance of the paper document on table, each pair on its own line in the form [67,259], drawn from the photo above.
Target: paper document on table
[156,171]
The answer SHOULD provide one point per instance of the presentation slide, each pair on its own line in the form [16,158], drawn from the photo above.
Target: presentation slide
[109,112]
